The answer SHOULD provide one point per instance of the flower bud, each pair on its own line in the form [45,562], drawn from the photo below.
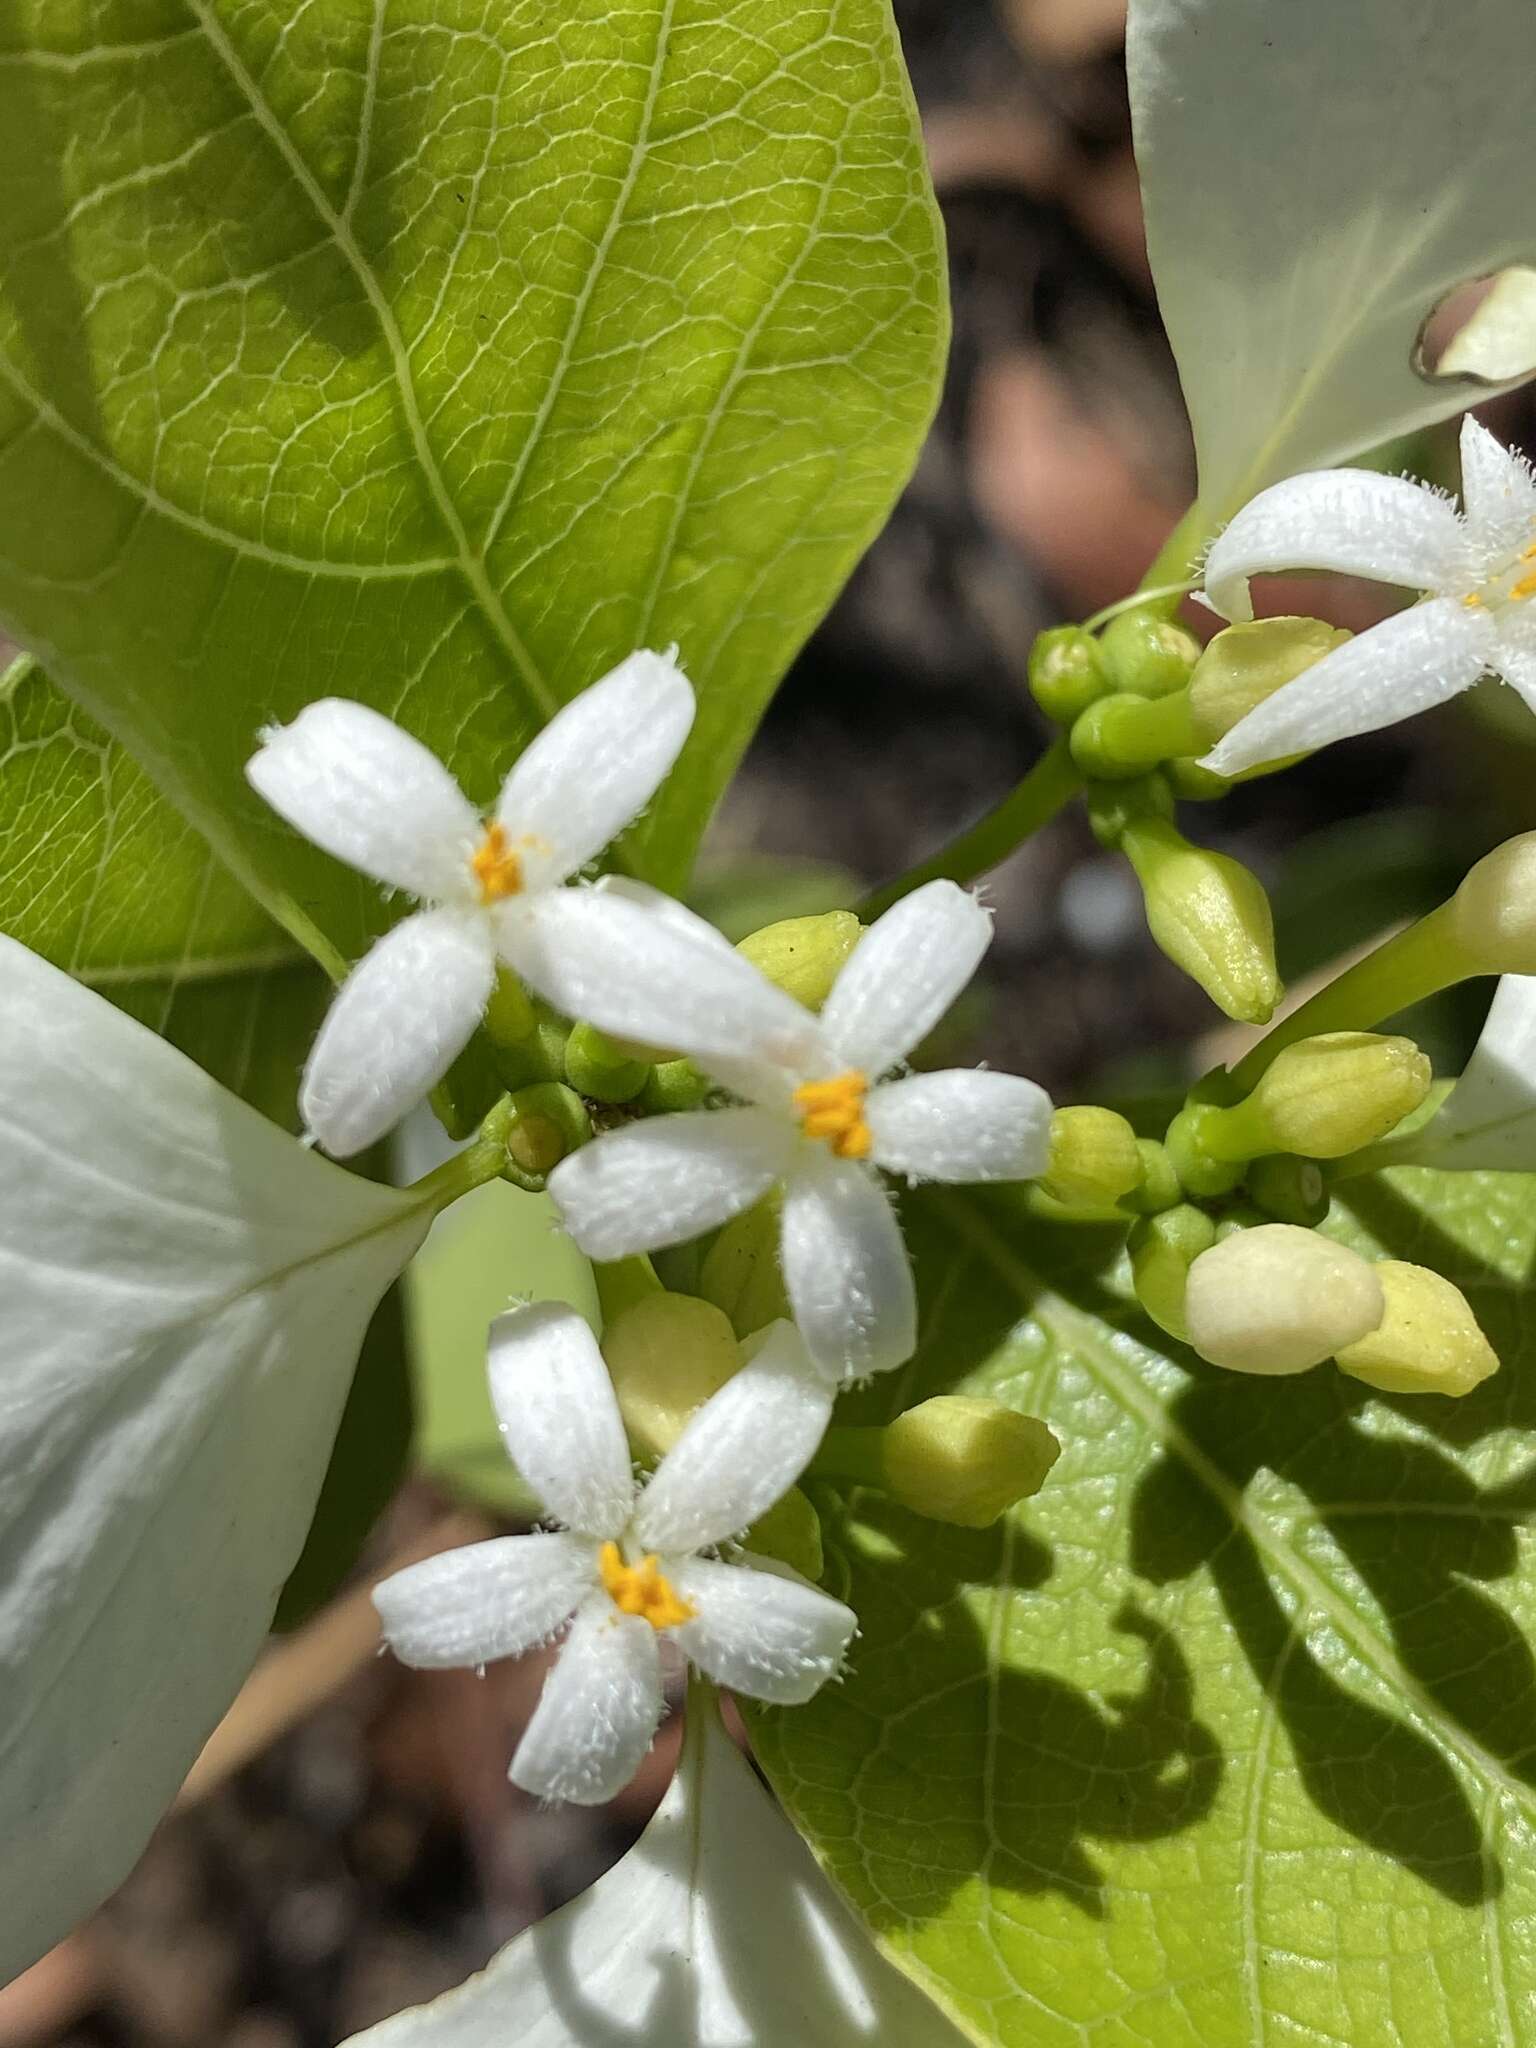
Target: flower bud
[740,1273]
[966,1460]
[596,1068]
[790,1532]
[666,1354]
[804,955]
[1327,1096]
[1147,653]
[540,1056]
[1094,1158]
[673,1085]
[510,1015]
[1201,1170]
[1279,1299]
[546,1123]
[1065,673]
[1428,1342]
[1115,807]
[1210,916]
[1122,735]
[1247,663]
[1162,1249]
[1159,1186]
[1494,911]
[1288,1190]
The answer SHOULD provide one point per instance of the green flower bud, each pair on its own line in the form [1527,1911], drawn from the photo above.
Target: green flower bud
[547,1122]
[791,1533]
[540,1056]
[1147,653]
[1288,1190]
[1121,736]
[510,1015]
[666,1354]
[1247,663]
[1065,673]
[675,1084]
[596,1068]
[1114,807]
[1210,916]
[1493,913]
[740,1273]
[804,955]
[1326,1096]
[1279,1299]
[1428,1342]
[1200,785]
[1162,1249]
[1159,1187]
[1200,1170]
[1094,1158]
[965,1460]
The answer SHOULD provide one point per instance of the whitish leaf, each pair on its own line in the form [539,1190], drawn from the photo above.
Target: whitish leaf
[183,1291]
[715,1931]
[1318,178]
[1228,1736]
[439,355]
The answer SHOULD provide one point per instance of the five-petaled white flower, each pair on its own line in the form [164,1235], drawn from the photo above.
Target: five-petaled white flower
[819,1118]
[1478,569]
[626,1569]
[367,792]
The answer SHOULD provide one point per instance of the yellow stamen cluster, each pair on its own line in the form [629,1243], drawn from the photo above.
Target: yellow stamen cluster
[642,1589]
[1522,588]
[834,1110]
[496,866]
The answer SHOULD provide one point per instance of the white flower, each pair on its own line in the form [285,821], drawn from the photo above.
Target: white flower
[819,1119]
[626,1569]
[368,793]
[1488,1121]
[1478,569]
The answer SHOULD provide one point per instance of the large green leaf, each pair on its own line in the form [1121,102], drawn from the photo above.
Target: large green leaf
[1318,177]
[1230,1736]
[438,355]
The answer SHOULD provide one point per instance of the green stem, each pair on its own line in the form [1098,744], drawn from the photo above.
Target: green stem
[1045,790]
[1155,595]
[482,1160]
[1173,570]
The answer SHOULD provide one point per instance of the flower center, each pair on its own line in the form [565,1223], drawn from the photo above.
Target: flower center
[834,1110]
[496,866]
[642,1589]
[1513,584]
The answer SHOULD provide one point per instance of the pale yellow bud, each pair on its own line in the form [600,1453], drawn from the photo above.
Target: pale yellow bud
[1494,910]
[741,1273]
[1428,1342]
[1279,1299]
[804,955]
[666,1354]
[963,1459]
[1094,1157]
[791,1532]
[1330,1095]
[1247,663]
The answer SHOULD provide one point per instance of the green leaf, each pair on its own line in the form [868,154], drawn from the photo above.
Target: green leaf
[1226,1737]
[715,1931]
[439,356]
[1304,220]
[185,1291]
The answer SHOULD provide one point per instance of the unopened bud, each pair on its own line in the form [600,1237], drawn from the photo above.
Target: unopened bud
[539,1056]
[1200,1169]
[1147,653]
[1162,1249]
[790,1532]
[804,955]
[1159,1186]
[740,1273]
[673,1085]
[1279,1299]
[1428,1342]
[1114,807]
[1125,735]
[1324,1097]
[1210,916]
[1494,911]
[1065,673]
[1247,663]
[547,1122]
[963,1459]
[666,1354]
[1094,1158]
[600,1070]
[1288,1190]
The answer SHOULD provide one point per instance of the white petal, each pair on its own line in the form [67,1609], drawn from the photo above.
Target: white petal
[1351,520]
[556,1405]
[762,1630]
[1488,1121]
[961,1126]
[666,979]
[1514,653]
[1498,489]
[846,1270]
[400,1019]
[599,1710]
[484,1601]
[596,765]
[1409,662]
[904,974]
[742,1451]
[667,1180]
[350,780]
